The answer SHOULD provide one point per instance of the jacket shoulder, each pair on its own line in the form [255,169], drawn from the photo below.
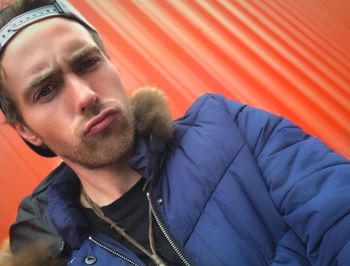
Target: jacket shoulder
[209,108]
[210,100]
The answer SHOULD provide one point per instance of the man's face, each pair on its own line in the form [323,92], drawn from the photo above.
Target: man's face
[70,96]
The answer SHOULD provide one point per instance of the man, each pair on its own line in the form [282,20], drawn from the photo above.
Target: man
[226,184]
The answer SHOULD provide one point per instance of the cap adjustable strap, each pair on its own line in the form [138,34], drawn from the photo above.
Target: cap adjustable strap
[58,8]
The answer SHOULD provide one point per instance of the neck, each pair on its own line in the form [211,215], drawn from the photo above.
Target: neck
[107,184]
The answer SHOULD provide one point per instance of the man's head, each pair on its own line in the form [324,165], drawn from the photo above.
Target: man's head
[16,9]
[59,90]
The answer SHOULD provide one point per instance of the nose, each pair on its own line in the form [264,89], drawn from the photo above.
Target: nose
[81,93]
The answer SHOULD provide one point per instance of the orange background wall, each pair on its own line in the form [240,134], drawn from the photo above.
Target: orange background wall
[291,57]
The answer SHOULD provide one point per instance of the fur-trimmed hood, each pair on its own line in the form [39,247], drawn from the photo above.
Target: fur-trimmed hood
[152,117]
[38,254]
[152,113]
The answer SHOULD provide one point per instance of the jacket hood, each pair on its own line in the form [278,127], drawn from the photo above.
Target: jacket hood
[154,130]
[152,115]
[38,254]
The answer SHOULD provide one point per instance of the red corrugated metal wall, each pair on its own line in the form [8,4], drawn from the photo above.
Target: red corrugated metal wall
[287,56]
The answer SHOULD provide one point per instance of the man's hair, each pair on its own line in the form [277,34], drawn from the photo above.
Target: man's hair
[7,102]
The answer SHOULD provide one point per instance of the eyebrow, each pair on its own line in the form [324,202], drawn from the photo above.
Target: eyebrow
[38,79]
[47,74]
[80,54]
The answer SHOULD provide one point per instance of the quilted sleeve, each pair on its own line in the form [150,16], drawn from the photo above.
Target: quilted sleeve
[308,182]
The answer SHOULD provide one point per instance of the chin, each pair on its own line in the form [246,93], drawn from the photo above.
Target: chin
[103,152]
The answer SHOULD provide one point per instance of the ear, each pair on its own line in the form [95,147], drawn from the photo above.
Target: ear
[28,134]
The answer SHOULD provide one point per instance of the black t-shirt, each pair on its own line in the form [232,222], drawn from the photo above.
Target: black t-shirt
[131,213]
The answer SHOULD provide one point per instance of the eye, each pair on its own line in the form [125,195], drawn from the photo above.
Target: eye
[45,93]
[87,64]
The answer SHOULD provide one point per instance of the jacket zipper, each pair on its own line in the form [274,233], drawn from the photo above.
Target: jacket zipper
[113,251]
[165,231]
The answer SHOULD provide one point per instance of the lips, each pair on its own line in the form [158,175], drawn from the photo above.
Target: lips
[100,122]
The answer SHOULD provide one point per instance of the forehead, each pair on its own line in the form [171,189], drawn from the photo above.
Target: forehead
[44,41]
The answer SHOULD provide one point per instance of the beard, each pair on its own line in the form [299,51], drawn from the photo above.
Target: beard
[110,146]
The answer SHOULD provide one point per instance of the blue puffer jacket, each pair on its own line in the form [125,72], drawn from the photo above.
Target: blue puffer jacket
[239,186]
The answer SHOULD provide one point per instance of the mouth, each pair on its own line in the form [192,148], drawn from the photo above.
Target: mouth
[100,122]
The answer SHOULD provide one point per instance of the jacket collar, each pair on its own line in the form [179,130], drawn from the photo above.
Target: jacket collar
[63,196]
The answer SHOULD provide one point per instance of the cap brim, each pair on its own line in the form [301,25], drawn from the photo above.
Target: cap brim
[45,152]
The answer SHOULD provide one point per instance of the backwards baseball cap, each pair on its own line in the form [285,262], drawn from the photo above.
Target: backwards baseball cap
[59,8]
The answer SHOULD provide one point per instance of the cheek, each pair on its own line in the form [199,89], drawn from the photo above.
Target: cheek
[46,123]
[109,80]
[55,114]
